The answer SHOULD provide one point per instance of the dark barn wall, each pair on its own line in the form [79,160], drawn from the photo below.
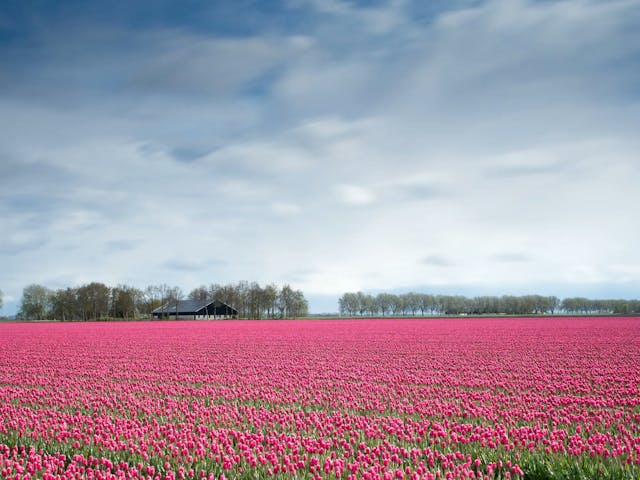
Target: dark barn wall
[215,309]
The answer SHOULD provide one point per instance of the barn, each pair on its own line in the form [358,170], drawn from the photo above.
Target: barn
[195,310]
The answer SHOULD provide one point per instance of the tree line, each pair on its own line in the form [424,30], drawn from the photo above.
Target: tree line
[95,301]
[384,304]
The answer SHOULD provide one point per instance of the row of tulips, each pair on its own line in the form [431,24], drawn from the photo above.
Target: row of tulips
[467,398]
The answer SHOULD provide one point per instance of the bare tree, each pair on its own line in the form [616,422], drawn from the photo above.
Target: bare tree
[149,300]
[174,296]
[162,291]
[200,294]
[124,299]
[214,291]
[254,301]
[269,297]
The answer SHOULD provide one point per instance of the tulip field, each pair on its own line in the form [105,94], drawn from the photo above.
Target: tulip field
[311,399]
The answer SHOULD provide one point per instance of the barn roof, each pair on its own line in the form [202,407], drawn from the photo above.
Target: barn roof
[189,306]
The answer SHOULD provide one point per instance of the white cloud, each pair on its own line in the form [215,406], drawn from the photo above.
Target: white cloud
[285,209]
[355,195]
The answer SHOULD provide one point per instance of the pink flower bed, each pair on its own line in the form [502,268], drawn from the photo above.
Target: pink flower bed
[450,398]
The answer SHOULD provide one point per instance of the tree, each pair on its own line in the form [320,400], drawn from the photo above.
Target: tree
[396,304]
[64,304]
[229,295]
[284,301]
[362,303]
[199,294]
[299,305]
[453,304]
[93,300]
[174,295]
[124,300]
[1,299]
[254,301]
[163,292]
[412,302]
[269,297]
[384,302]
[349,304]
[291,303]
[371,305]
[36,302]
[149,300]
[575,305]
[214,291]
[426,303]
[242,298]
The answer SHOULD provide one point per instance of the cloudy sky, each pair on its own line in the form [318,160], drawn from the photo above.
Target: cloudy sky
[448,146]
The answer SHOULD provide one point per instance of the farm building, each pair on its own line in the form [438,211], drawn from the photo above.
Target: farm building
[195,310]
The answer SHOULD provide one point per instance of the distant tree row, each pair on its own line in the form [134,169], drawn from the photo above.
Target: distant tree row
[384,304]
[98,301]
[611,306]
[92,301]
[253,301]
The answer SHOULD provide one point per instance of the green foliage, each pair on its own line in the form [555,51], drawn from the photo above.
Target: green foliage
[411,303]
[36,302]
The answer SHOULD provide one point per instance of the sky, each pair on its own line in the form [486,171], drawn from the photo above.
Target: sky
[443,146]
